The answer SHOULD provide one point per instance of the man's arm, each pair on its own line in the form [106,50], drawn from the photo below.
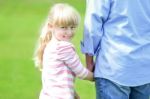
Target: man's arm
[97,13]
[90,62]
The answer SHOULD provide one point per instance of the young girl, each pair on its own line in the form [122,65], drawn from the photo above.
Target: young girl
[56,55]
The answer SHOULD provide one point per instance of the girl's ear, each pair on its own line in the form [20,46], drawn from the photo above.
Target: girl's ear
[50,26]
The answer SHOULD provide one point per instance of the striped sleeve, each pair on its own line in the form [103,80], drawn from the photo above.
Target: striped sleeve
[71,59]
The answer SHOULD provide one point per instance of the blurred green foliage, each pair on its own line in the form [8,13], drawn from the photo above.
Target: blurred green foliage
[20,23]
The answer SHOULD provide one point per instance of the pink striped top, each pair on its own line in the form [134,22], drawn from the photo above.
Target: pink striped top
[61,65]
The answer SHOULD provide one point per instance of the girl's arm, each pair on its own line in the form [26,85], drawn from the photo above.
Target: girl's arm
[71,59]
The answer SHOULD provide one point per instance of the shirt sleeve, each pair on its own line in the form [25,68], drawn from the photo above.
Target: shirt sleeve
[71,59]
[97,13]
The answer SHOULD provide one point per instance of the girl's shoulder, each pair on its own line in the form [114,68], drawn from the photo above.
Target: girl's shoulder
[65,44]
[65,50]
[65,47]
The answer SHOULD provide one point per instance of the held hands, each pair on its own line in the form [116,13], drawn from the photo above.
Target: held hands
[90,67]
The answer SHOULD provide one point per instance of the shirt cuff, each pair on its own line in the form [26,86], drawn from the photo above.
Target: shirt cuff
[86,50]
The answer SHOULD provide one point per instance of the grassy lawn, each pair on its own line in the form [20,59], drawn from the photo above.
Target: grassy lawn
[20,22]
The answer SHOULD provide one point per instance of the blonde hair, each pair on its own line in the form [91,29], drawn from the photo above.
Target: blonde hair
[60,15]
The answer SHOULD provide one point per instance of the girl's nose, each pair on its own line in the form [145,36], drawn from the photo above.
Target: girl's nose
[69,31]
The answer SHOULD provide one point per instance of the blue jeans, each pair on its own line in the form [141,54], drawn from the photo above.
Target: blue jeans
[106,89]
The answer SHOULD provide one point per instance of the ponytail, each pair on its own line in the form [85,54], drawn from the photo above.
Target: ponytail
[45,37]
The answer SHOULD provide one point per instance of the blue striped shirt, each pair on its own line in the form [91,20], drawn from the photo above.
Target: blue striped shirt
[117,32]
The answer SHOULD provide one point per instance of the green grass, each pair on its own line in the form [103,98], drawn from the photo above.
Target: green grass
[20,22]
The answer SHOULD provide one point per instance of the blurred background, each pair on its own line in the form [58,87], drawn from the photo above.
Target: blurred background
[20,24]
